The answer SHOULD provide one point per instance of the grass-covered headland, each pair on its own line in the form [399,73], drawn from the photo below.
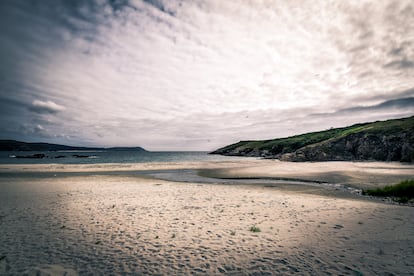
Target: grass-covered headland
[404,191]
[391,140]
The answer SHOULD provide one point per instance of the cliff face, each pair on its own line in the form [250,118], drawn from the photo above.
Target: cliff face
[391,140]
[360,146]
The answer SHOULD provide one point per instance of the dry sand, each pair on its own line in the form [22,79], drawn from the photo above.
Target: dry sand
[134,224]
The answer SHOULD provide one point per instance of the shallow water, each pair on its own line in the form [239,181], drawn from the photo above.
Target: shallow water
[98,157]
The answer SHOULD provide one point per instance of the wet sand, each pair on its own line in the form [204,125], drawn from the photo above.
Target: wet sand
[104,224]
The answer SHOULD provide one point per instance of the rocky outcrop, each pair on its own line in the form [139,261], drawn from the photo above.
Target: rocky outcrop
[391,140]
[32,156]
[359,146]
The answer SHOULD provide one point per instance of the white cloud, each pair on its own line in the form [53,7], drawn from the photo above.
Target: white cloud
[195,74]
[46,107]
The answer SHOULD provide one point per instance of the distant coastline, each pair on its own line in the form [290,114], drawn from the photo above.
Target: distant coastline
[13,145]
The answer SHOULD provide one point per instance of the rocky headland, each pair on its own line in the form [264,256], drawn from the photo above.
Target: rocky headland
[391,140]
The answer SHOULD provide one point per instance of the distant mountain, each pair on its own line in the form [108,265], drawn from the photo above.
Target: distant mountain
[12,145]
[391,140]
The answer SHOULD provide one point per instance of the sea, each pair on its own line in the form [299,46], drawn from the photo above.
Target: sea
[116,157]
[125,156]
[111,156]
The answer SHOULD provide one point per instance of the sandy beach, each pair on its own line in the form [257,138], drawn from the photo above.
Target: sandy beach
[110,219]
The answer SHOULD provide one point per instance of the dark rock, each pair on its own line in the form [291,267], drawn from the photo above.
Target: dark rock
[359,146]
[34,156]
[80,156]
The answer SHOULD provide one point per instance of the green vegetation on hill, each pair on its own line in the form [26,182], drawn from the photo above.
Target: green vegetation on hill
[285,145]
[12,145]
[390,140]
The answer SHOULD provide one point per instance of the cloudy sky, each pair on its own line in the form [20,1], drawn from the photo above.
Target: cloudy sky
[197,75]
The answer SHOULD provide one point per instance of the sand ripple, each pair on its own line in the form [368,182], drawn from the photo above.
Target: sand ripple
[130,225]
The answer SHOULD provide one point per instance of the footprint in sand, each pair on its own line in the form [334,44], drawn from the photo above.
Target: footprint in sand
[4,264]
[52,270]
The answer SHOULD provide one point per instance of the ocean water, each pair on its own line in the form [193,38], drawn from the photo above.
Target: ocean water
[98,157]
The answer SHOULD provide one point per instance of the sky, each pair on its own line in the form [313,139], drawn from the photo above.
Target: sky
[198,75]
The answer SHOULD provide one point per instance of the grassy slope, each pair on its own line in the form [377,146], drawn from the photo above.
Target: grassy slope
[403,190]
[291,144]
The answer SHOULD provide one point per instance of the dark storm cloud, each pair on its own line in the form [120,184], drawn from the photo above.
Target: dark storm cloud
[30,33]
[158,4]
[386,96]
[403,103]
[400,64]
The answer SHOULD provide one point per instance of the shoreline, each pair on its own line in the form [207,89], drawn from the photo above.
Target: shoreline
[97,223]
[300,186]
[349,177]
